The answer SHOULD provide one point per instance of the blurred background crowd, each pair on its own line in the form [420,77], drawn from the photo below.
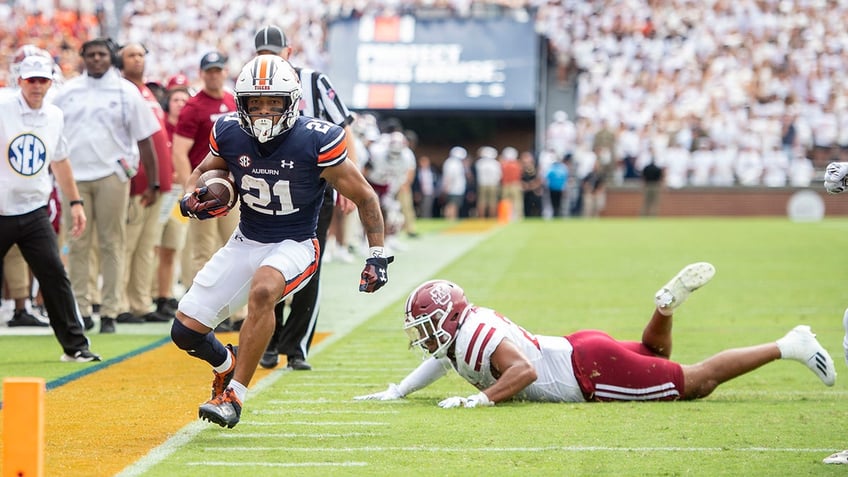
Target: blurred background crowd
[716,92]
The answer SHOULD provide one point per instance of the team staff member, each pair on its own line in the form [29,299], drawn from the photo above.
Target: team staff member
[280,163]
[504,361]
[294,337]
[109,125]
[191,144]
[33,131]
[144,229]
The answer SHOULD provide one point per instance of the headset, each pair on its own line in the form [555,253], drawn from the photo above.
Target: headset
[109,43]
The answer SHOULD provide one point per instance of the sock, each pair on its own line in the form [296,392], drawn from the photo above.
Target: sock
[225,366]
[240,390]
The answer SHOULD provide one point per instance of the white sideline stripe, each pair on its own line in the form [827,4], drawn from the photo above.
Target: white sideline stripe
[424,258]
[517,449]
[289,412]
[278,464]
[316,424]
[307,435]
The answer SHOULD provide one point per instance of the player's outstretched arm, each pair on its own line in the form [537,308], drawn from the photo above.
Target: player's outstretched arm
[424,375]
[516,373]
[834,177]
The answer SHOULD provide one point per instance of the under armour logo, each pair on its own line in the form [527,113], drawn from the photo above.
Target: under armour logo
[238,237]
[287,164]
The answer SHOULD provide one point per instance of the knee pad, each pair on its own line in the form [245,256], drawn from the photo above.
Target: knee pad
[200,345]
[184,337]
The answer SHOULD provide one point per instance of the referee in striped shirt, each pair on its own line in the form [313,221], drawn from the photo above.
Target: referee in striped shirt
[293,336]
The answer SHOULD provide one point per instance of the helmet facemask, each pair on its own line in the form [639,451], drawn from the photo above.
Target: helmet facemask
[263,126]
[433,314]
[266,77]
[427,328]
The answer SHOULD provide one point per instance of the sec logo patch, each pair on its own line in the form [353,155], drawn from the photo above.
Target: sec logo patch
[27,154]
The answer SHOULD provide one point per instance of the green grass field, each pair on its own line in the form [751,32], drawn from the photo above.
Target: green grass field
[554,278]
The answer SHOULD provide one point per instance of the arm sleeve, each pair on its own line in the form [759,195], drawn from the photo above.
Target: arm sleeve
[424,375]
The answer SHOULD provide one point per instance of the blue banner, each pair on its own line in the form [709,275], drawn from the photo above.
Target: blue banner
[386,63]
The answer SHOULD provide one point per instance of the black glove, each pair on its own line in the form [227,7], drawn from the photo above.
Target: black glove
[375,274]
[192,206]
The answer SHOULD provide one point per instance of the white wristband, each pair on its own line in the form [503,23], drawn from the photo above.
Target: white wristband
[375,252]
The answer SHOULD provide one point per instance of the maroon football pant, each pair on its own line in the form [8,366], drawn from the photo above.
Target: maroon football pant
[611,370]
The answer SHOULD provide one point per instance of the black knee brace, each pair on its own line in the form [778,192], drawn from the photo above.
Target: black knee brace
[199,345]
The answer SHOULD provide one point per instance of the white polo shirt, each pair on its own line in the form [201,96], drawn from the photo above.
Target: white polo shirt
[105,118]
[32,139]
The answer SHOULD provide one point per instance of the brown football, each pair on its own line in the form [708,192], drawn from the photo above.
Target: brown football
[219,185]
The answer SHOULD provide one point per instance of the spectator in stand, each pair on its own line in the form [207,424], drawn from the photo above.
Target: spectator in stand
[190,146]
[108,125]
[488,171]
[652,180]
[144,228]
[749,164]
[454,182]
[561,135]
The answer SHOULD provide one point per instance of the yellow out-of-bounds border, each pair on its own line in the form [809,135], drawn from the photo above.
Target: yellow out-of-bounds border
[99,424]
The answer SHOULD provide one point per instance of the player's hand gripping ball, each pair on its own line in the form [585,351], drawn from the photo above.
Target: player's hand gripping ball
[214,196]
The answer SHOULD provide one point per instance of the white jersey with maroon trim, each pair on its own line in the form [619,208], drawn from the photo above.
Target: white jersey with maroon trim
[483,330]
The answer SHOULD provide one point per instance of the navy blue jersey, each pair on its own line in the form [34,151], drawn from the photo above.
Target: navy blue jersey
[279,182]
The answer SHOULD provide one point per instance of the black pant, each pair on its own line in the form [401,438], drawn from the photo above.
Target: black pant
[37,241]
[295,336]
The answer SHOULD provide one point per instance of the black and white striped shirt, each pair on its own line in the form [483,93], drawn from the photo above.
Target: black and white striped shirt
[320,99]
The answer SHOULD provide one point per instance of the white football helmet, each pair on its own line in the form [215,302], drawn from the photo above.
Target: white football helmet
[268,75]
[434,311]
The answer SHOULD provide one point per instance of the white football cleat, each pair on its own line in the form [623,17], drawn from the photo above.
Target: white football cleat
[801,345]
[838,458]
[678,289]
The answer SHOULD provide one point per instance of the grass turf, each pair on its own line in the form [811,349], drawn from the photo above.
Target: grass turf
[553,278]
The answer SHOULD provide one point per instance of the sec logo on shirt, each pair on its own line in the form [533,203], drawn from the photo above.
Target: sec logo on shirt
[27,154]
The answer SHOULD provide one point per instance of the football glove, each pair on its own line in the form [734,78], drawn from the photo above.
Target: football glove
[192,206]
[390,394]
[834,177]
[479,399]
[375,274]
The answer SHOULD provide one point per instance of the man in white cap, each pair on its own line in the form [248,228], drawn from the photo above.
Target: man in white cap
[33,130]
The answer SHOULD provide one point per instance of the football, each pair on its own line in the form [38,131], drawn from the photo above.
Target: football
[219,185]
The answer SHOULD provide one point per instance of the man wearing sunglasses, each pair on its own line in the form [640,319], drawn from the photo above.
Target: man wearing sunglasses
[34,132]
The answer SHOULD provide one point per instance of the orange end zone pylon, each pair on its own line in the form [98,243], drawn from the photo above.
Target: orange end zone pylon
[23,427]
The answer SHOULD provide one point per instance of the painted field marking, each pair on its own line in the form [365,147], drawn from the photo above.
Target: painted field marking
[430,450]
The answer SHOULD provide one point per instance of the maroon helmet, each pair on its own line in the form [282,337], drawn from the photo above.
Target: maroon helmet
[433,314]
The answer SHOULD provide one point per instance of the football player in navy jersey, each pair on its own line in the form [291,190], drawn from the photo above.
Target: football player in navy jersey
[504,361]
[280,163]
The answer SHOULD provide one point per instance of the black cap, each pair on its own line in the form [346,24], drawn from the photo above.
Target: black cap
[213,59]
[270,38]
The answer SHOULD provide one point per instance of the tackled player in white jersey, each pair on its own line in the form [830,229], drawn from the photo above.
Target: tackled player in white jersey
[504,361]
